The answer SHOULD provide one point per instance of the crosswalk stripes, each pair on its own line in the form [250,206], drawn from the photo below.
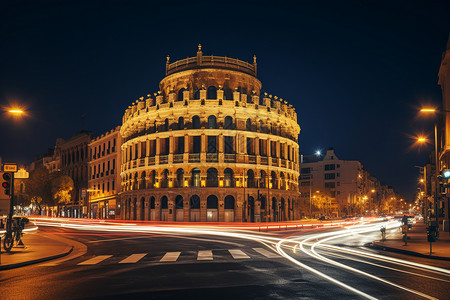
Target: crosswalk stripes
[95,260]
[266,253]
[170,256]
[238,254]
[202,255]
[133,258]
[205,255]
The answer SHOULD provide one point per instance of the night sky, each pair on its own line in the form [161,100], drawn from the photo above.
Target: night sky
[355,71]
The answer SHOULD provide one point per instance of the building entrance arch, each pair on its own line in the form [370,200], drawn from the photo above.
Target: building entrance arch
[194,211]
[179,209]
[164,208]
[251,209]
[152,209]
[212,208]
[229,208]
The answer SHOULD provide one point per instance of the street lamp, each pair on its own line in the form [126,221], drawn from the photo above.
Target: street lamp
[422,140]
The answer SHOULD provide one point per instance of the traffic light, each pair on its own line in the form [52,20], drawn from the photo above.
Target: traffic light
[446,174]
[6,184]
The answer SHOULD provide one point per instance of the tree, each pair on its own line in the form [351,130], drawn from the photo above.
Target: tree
[38,187]
[61,186]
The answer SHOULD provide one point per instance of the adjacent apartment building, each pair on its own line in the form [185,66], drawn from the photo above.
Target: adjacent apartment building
[104,175]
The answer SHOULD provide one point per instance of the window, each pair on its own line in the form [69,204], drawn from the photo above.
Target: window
[212,144]
[329,185]
[196,122]
[180,94]
[305,170]
[338,166]
[180,123]
[211,93]
[180,149]
[338,183]
[305,183]
[228,141]
[330,176]
[197,144]
[228,123]
[329,167]
[338,174]
[212,124]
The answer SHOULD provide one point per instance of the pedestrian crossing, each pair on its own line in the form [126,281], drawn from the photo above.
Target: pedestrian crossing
[167,257]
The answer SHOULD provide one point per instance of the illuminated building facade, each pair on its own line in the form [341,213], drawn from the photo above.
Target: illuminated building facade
[104,175]
[208,147]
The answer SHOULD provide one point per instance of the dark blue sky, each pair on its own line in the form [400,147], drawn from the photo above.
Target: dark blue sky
[355,70]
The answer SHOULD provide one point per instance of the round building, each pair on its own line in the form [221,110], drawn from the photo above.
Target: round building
[208,147]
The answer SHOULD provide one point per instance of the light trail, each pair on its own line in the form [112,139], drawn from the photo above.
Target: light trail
[275,243]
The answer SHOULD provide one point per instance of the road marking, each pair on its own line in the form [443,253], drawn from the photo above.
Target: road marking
[133,258]
[266,253]
[238,254]
[171,256]
[205,255]
[94,260]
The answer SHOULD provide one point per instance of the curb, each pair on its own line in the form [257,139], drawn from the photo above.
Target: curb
[407,252]
[35,261]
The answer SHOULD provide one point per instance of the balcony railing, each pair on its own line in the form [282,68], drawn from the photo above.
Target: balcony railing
[212,157]
[264,160]
[142,162]
[163,159]
[133,163]
[194,157]
[178,158]
[151,161]
[252,159]
[283,163]
[274,161]
[230,158]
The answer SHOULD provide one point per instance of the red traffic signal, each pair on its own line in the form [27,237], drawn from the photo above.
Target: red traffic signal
[7,183]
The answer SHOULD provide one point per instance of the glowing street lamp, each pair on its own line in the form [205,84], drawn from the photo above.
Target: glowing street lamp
[16,111]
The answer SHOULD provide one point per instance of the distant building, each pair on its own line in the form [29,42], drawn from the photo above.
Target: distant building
[444,126]
[104,175]
[338,187]
[74,163]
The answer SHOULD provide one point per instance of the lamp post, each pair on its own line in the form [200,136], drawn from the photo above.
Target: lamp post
[422,140]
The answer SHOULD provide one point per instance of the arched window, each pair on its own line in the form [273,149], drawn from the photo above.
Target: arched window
[274,181]
[152,179]
[195,202]
[195,177]
[250,179]
[195,122]
[211,93]
[248,125]
[142,181]
[211,177]
[164,202]
[165,178]
[263,202]
[179,202]
[180,123]
[228,123]
[166,125]
[197,95]
[212,202]
[229,202]
[228,177]
[212,123]
[180,94]
[274,204]
[262,179]
[227,94]
[180,177]
[135,182]
[283,181]
[152,202]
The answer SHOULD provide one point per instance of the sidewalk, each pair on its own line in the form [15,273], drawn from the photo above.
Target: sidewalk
[38,248]
[417,243]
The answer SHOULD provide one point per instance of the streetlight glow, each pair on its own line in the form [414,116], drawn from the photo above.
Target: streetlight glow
[16,111]
[421,139]
[428,110]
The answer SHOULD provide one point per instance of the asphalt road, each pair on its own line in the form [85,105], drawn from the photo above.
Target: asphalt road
[153,266]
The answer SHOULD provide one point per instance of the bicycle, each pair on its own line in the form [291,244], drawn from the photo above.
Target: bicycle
[13,233]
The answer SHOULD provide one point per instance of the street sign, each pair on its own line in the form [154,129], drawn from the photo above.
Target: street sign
[21,174]
[9,167]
